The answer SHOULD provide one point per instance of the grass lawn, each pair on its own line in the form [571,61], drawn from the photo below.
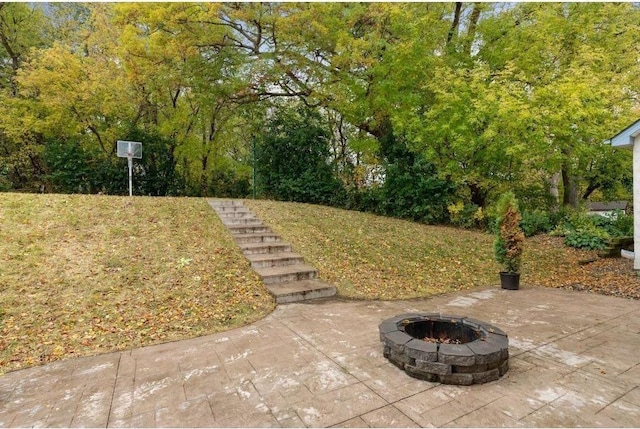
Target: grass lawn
[368,256]
[81,275]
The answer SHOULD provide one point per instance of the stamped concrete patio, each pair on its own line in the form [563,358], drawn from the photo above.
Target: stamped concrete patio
[575,361]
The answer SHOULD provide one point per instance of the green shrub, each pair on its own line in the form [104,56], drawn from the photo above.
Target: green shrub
[584,231]
[228,182]
[574,220]
[414,191]
[580,220]
[600,221]
[590,238]
[292,159]
[466,215]
[623,223]
[561,230]
[535,222]
[77,168]
[364,200]
[618,225]
[5,181]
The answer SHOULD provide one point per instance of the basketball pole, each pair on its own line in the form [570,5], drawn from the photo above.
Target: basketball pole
[130,159]
[129,150]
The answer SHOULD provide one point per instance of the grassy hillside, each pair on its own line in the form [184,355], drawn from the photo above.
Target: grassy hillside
[368,256]
[81,275]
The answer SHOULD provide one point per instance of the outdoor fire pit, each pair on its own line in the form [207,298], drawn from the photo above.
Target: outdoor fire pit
[445,349]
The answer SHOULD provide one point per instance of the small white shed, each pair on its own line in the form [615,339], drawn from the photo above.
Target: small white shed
[606,209]
[629,138]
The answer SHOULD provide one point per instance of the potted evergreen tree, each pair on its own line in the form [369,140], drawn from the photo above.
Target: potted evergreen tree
[509,241]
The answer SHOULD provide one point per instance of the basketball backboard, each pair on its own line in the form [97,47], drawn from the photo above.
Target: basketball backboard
[127,149]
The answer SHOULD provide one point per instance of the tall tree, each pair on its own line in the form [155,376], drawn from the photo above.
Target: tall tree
[76,88]
[22,28]
[530,89]
[485,95]
[188,88]
[577,80]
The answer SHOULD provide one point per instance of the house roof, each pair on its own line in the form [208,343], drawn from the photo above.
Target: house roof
[608,205]
[626,137]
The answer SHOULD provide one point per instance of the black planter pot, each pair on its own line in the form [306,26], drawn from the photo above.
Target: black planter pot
[510,281]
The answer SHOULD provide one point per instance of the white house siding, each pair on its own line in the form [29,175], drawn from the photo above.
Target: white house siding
[636,203]
[627,139]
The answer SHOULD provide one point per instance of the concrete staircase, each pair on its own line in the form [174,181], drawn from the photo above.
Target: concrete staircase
[283,272]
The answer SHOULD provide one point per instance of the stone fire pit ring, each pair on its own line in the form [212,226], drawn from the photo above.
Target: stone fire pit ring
[482,356]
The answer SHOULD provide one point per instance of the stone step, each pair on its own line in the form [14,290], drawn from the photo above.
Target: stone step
[243,221]
[260,237]
[283,272]
[262,248]
[249,229]
[300,290]
[225,203]
[287,273]
[263,260]
[230,209]
[236,215]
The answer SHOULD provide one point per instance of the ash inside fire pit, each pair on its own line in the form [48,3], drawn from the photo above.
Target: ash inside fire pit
[448,349]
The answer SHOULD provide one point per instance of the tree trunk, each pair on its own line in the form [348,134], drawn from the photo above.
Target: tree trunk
[591,188]
[570,190]
[15,57]
[455,23]
[204,162]
[554,191]
[569,185]
[473,24]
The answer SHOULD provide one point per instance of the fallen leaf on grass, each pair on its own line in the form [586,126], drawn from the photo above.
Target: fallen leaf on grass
[90,291]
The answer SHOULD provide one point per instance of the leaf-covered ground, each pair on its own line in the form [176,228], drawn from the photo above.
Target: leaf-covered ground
[368,256]
[81,275]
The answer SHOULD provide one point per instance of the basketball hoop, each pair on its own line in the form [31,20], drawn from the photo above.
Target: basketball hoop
[129,150]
